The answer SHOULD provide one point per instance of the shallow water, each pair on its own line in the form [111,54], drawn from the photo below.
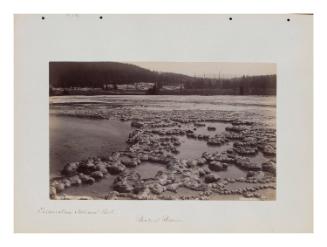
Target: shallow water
[235,172]
[193,149]
[148,169]
[185,102]
[259,158]
[104,186]
[98,189]
[220,127]
[74,139]
[239,185]
[231,172]
[257,108]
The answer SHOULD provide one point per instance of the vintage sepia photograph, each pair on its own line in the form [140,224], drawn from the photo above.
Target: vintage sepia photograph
[162,131]
[163,123]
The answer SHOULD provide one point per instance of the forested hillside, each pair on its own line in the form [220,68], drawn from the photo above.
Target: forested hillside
[98,74]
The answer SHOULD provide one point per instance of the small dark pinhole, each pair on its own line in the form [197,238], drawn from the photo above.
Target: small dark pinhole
[42,17]
[230,18]
[288,19]
[100,17]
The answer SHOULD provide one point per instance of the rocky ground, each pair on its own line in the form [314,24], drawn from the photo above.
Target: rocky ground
[156,138]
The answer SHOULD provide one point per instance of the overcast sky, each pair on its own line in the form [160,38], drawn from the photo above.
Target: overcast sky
[211,69]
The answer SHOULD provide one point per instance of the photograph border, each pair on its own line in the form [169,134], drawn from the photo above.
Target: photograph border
[290,46]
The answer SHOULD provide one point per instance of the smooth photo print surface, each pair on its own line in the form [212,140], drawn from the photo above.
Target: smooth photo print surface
[162,130]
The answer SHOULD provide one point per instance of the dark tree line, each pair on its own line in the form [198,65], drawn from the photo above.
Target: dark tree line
[263,81]
[95,74]
[100,74]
